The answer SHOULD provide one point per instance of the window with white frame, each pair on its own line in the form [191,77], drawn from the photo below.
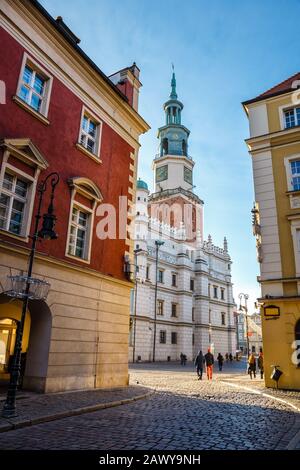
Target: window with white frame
[79,233]
[34,87]
[223,318]
[13,203]
[292,117]
[90,133]
[295,171]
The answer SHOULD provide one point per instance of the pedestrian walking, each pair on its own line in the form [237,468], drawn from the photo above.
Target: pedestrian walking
[252,365]
[220,360]
[230,357]
[226,357]
[199,361]
[209,361]
[181,358]
[260,364]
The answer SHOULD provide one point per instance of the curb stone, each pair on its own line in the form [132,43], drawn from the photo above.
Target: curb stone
[10,426]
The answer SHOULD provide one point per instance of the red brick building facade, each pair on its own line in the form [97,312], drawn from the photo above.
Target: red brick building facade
[62,114]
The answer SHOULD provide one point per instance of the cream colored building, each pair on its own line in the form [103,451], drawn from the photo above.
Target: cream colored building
[274,146]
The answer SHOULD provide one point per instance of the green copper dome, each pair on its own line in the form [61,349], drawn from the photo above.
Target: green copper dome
[141,184]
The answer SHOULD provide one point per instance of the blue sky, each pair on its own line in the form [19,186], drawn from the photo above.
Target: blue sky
[224,51]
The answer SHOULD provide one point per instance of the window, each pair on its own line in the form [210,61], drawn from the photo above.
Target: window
[174,280]
[160,276]
[81,217]
[13,201]
[162,336]
[174,310]
[148,273]
[295,169]
[223,318]
[173,337]
[90,133]
[292,117]
[215,292]
[193,339]
[222,294]
[160,307]
[34,86]
[193,313]
[78,238]
[192,284]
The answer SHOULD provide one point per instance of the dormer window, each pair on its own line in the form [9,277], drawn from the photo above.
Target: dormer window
[292,117]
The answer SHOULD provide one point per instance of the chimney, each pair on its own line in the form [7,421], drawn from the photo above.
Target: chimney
[127,80]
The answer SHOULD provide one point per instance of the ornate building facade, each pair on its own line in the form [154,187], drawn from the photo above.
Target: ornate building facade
[184,299]
[274,146]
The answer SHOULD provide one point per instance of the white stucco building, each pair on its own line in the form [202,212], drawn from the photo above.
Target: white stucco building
[194,308]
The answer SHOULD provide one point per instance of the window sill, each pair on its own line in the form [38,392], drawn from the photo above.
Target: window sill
[30,110]
[21,238]
[293,191]
[77,258]
[88,153]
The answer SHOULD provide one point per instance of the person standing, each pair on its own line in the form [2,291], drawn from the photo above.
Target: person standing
[220,360]
[199,361]
[260,364]
[209,361]
[252,365]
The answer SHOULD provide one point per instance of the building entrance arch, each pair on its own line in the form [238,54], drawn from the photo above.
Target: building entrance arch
[35,342]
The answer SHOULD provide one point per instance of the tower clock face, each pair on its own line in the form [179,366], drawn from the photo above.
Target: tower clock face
[175,136]
[161,173]
[188,175]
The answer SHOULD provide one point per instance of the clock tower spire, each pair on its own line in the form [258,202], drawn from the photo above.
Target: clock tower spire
[173,171]
[173,166]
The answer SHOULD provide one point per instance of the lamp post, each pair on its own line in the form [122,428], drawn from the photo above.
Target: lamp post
[246,297]
[26,287]
[158,243]
[136,252]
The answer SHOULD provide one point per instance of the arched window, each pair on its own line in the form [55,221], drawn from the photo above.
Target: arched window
[165,146]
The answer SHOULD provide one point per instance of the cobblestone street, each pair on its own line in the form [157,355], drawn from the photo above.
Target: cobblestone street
[183,413]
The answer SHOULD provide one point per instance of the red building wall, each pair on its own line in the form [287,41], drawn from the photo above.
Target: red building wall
[57,143]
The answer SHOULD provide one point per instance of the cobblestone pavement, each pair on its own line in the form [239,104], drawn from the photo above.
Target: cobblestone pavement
[184,413]
[34,407]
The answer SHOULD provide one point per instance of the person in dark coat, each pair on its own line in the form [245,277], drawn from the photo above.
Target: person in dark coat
[209,361]
[199,361]
[220,360]
[260,364]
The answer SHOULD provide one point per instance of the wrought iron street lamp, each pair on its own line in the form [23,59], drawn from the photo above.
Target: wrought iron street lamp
[28,288]
[136,252]
[158,243]
[245,308]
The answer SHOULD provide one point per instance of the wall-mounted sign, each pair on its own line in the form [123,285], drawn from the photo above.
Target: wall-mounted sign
[271,311]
